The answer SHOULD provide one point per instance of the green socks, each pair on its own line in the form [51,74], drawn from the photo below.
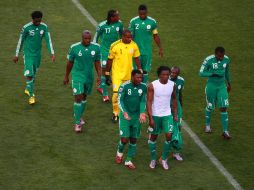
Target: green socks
[224,120]
[30,87]
[152,148]
[104,86]
[77,107]
[131,151]
[166,149]
[83,106]
[208,116]
[120,147]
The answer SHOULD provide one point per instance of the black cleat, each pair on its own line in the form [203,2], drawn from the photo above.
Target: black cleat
[115,118]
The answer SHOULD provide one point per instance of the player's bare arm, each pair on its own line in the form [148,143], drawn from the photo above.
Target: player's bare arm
[69,66]
[174,104]
[150,94]
[158,42]
[98,70]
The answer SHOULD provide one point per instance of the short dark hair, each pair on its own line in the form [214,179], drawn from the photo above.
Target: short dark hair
[36,14]
[162,68]
[219,49]
[175,67]
[135,71]
[142,7]
[111,13]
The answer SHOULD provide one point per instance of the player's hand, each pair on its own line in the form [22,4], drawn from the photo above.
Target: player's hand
[161,52]
[228,88]
[175,118]
[66,80]
[15,59]
[98,81]
[126,116]
[108,80]
[142,118]
[53,57]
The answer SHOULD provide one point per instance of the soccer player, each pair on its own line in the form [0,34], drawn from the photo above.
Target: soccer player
[132,103]
[160,94]
[82,58]
[143,28]
[31,37]
[216,68]
[107,32]
[120,59]
[177,135]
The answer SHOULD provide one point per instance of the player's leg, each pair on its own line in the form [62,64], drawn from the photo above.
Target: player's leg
[78,92]
[145,61]
[124,132]
[177,145]
[116,84]
[167,125]
[152,140]
[29,73]
[223,104]
[210,92]
[135,129]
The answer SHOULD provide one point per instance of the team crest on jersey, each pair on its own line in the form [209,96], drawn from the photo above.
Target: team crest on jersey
[120,89]
[41,32]
[131,51]
[179,87]
[140,92]
[148,27]
[117,29]
[92,52]
[224,65]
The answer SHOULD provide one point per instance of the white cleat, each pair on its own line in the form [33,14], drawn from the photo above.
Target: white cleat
[82,121]
[177,157]
[77,128]
[129,165]
[164,164]
[208,129]
[152,164]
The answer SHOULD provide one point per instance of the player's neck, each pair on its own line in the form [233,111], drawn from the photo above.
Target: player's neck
[163,82]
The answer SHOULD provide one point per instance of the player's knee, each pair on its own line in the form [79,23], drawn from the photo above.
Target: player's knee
[168,136]
[153,137]
[223,109]
[124,140]
[78,98]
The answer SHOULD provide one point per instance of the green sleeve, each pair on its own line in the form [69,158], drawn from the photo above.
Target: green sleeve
[48,41]
[71,55]
[132,28]
[227,74]
[121,94]
[98,55]
[22,38]
[143,101]
[204,72]
[155,25]
[97,34]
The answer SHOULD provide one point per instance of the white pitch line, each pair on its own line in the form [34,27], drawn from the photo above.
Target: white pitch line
[211,157]
[195,138]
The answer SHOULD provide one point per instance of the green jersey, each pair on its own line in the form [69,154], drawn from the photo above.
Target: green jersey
[179,82]
[83,58]
[216,71]
[31,37]
[132,99]
[108,33]
[142,31]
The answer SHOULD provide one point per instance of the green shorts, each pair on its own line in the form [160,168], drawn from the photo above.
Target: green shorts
[31,65]
[129,128]
[145,61]
[216,96]
[104,58]
[163,124]
[82,87]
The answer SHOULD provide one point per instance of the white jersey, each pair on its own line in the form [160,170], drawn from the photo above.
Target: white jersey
[162,98]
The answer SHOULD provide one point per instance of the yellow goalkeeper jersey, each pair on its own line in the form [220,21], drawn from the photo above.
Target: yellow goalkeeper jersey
[122,55]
